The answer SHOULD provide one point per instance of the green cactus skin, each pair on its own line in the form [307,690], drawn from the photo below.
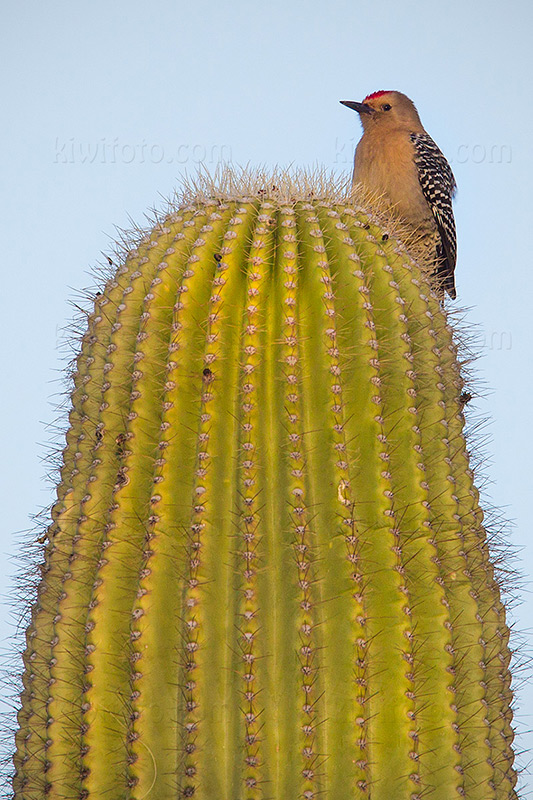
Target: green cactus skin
[267,576]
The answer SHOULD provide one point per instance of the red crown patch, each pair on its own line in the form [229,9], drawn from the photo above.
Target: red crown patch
[374,95]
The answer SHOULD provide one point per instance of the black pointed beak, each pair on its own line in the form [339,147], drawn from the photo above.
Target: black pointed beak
[361,108]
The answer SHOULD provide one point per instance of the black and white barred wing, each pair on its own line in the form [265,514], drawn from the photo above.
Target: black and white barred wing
[438,186]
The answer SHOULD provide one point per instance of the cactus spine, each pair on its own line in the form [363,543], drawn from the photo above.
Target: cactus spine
[267,574]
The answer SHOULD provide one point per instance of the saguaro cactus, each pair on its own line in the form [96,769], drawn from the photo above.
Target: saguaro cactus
[267,575]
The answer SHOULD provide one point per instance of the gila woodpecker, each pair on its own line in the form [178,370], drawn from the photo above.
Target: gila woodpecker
[397,160]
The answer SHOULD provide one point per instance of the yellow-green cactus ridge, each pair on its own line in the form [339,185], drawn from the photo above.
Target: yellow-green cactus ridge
[267,575]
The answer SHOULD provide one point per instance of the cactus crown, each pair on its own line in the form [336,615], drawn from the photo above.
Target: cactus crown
[267,574]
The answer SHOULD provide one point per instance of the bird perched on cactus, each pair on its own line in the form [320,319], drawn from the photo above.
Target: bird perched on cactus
[398,160]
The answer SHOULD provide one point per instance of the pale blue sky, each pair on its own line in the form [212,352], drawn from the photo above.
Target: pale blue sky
[105,105]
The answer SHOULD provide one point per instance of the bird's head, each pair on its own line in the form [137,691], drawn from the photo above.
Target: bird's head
[386,109]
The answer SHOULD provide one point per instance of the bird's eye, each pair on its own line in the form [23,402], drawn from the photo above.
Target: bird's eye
[386,107]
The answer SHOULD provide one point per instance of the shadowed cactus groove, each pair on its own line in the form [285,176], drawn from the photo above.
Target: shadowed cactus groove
[267,576]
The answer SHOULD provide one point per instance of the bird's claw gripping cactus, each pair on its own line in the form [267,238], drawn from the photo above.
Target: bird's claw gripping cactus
[267,574]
